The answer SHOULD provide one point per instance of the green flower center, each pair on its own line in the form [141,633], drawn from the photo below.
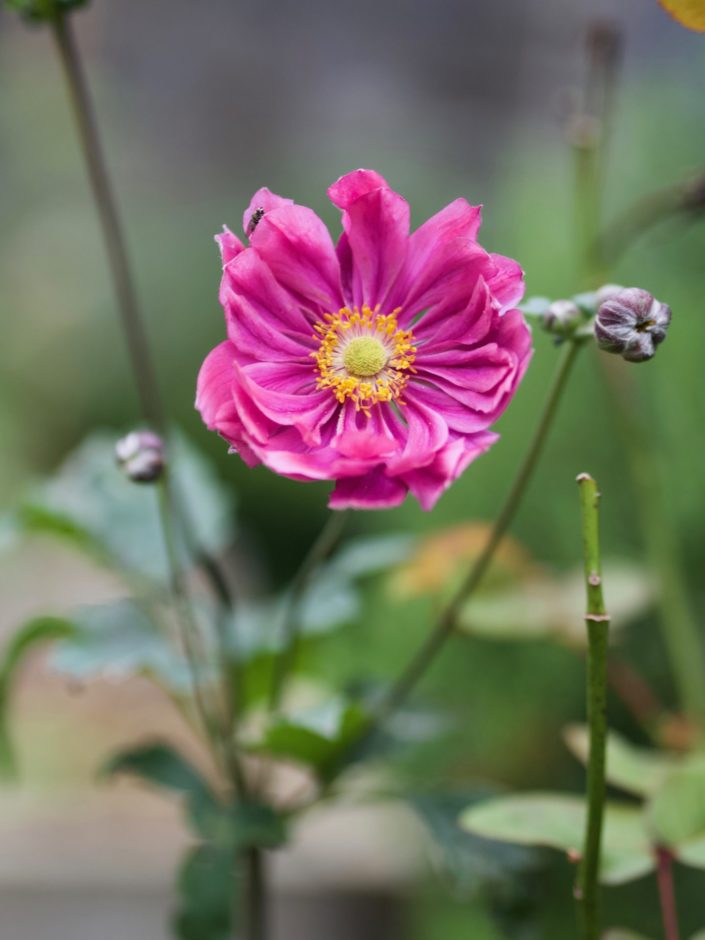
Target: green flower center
[365,356]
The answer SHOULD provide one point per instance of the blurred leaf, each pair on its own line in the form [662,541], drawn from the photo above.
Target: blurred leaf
[91,503]
[676,813]
[689,13]
[119,640]
[38,631]
[551,605]
[37,11]
[471,862]
[315,738]
[208,892]
[535,306]
[634,769]
[618,933]
[361,557]
[557,821]
[162,766]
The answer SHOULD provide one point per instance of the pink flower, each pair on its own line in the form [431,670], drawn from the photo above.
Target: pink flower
[379,363]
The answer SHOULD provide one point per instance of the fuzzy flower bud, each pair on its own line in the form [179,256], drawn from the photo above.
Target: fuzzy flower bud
[632,323]
[562,317]
[141,456]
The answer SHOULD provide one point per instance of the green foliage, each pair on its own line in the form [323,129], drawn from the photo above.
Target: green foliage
[317,738]
[557,821]
[469,862]
[90,503]
[676,813]
[551,606]
[37,11]
[618,933]
[637,770]
[34,633]
[207,884]
[120,639]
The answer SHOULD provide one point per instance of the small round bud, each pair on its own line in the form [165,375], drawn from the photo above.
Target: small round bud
[632,323]
[562,317]
[141,456]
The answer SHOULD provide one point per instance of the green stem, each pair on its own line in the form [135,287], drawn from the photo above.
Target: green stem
[123,283]
[446,623]
[254,914]
[319,551]
[597,622]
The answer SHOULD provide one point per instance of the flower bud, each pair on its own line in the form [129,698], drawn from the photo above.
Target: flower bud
[141,456]
[562,317]
[37,11]
[632,323]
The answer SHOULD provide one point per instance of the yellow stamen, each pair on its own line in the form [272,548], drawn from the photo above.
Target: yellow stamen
[364,356]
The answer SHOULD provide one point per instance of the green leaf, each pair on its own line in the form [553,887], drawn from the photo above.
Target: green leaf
[676,813]
[362,557]
[557,821]
[535,306]
[208,889]
[635,769]
[119,640]
[37,11]
[34,633]
[545,605]
[161,766]
[619,933]
[471,862]
[90,502]
[316,738]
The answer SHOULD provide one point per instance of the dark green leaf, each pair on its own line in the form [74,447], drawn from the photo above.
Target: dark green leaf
[634,769]
[208,888]
[161,766]
[316,738]
[619,933]
[37,11]
[34,633]
[557,821]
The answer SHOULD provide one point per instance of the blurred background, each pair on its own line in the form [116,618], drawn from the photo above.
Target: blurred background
[199,105]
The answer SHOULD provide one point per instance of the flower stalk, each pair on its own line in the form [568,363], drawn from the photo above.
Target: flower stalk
[446,623]
[597,622]
[111,226]
[667,894]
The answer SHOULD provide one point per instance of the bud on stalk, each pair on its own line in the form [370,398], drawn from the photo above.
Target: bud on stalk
[141,456]
[631,323]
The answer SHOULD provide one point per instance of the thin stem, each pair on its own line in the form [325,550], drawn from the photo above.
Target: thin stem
[667,894]
[255,919]
[446,623]
[679,628]
[138,347]
[319,551]
[597,623]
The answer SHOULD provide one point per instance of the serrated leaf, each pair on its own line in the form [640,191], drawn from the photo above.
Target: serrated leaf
[689,13]
[557,821]
[208,890]
[637,770]
[119,640]
[36,632]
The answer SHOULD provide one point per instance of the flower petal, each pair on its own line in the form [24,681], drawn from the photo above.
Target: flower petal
[373,490]
[267,201]
[428,483]
[214,384]
[376,226]
[229,244]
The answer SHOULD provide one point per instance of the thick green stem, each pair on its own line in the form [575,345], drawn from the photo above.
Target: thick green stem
[138,347]
[446,623]
[255,914]
[319,551]
[597,623]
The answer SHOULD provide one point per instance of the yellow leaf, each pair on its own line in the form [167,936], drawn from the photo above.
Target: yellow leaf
[689,13]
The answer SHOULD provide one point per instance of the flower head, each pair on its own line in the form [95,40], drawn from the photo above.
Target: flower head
[379,363]
[630,322]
